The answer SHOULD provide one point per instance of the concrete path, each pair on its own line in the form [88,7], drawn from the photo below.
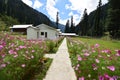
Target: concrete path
[61,68]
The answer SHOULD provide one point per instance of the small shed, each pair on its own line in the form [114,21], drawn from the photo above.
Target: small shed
[19,28]
[42,31]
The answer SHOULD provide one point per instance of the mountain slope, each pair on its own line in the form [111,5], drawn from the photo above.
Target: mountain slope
[22,12]
[91,19]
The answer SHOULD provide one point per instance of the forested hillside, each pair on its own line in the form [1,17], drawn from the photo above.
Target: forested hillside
[22,13]
[91,21]
[105,20]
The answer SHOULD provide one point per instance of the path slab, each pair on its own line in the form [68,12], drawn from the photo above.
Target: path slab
[61,68]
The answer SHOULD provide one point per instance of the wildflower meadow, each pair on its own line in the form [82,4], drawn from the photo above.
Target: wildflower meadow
[93,62]
[21,59]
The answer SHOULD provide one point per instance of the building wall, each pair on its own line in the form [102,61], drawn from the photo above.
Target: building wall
[31,33]
[51,34]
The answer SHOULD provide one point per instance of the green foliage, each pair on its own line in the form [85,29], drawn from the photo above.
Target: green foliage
[2,25]
[97,29]
[6,22]
[51,46]
[41,74]
[67,28]
[113,20]
[83,25]
[72,27]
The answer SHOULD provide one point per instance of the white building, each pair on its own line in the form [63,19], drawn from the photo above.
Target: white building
[19,28]
[42,32]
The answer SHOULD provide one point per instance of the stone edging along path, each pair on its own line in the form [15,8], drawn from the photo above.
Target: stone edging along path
[61,68]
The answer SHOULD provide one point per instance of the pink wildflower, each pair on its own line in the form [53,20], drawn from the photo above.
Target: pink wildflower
[101,77]
[27,52]
[15,56]
[106,76]
[86,54]
[33,50]
[1,47]
[78,65]
[2,65]
[106,51]
[112,68]
[97,61]
[97,46]
[76,68]
[3,55]
[17,49]
[23,65]
[81,78]
[3,43]
[22,47]
[11,51]
[118,53]
[32,57]
[94,66]
[79,58]
[112,78]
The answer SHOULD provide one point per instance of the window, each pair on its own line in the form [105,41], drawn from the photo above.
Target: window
[42,33]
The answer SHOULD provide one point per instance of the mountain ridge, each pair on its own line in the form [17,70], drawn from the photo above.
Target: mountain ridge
[24,13]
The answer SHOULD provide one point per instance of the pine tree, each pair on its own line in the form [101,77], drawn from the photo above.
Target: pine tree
[57,19]
[72,27]
[67,28]
[113,20]
[97,30]
[84,24]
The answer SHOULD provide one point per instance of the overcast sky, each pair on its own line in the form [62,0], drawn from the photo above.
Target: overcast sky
[66,8]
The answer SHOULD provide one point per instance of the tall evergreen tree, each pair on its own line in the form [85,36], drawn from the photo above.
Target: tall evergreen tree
[84,24]
[57,19]
[67,28]
[72,27]
[113,20]
[97,29]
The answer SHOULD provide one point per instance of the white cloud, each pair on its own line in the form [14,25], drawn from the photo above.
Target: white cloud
[52,11]
[67,6]
[70,14]
[28,2]
[76,18]
[63,21]
[37,4]
[80,5]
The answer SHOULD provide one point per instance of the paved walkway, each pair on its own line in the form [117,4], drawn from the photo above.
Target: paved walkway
[61,68]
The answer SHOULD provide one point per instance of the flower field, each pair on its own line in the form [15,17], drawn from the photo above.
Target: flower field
[93,62]
[21,59]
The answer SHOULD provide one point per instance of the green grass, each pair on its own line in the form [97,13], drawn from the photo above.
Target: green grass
[111,44]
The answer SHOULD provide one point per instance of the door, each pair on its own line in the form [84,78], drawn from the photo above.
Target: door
[45,34]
